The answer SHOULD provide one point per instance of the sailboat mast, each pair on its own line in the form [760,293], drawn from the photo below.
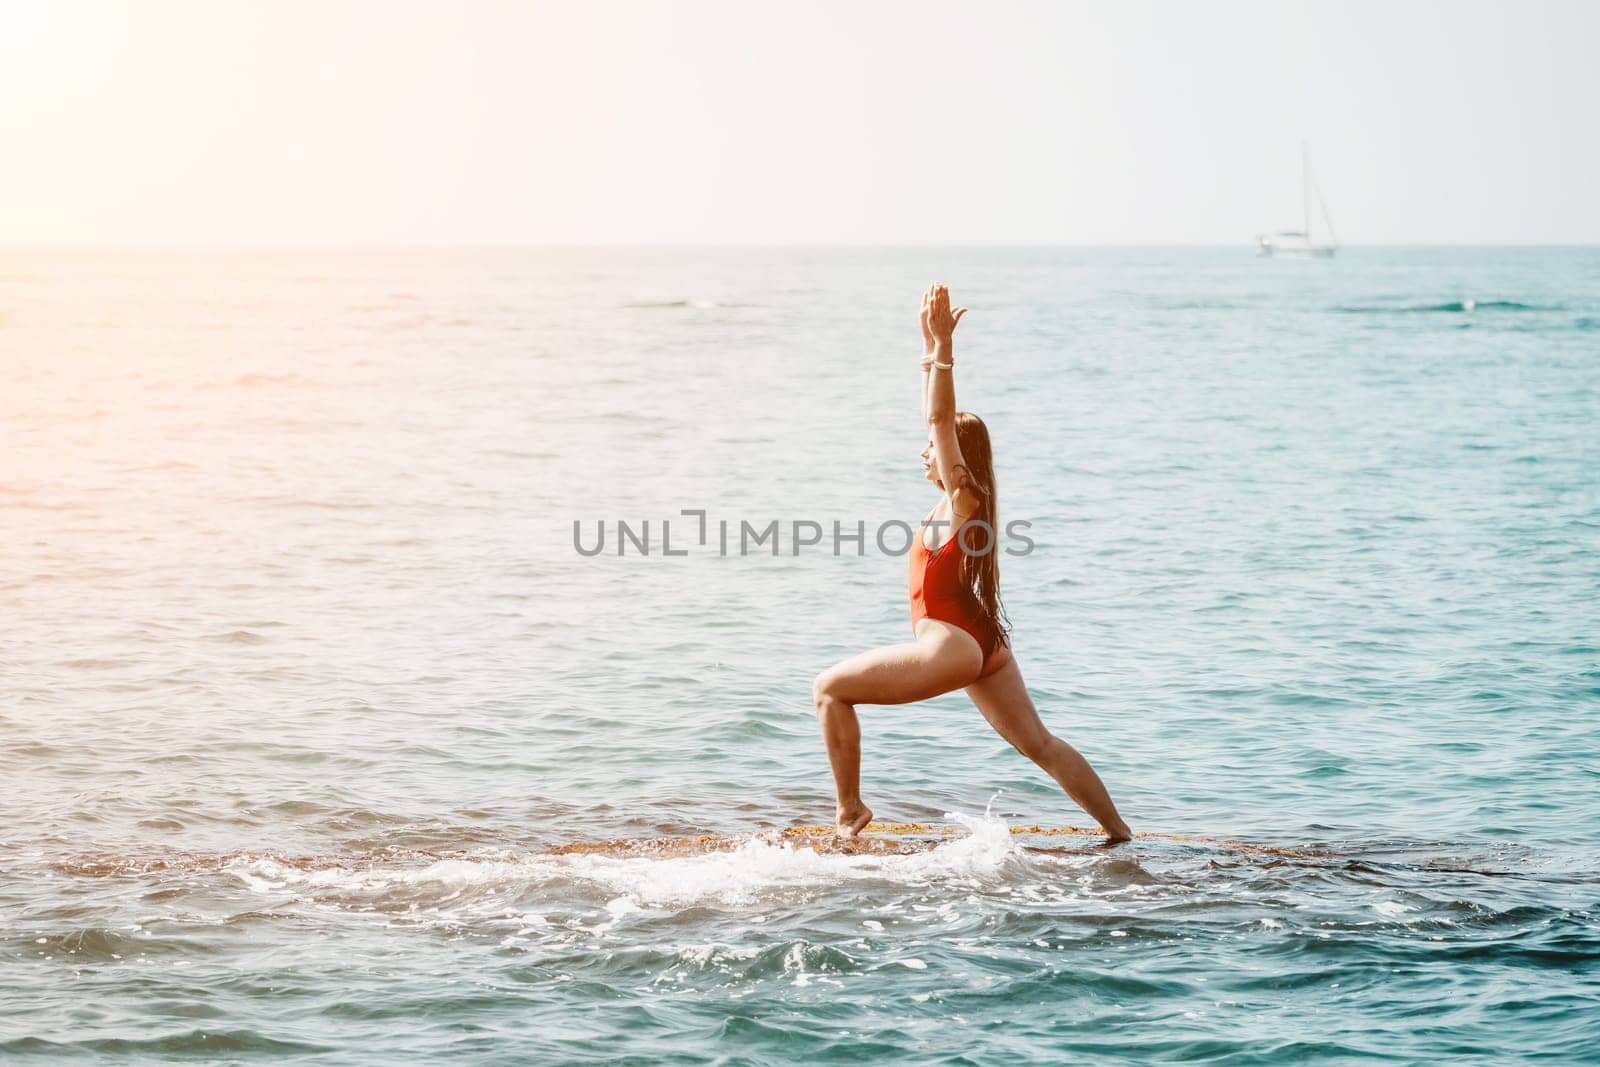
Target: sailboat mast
[1305,191]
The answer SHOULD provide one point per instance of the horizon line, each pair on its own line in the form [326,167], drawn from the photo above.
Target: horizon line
[254,245]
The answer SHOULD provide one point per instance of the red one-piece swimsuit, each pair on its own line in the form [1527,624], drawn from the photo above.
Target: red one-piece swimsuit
[937,592]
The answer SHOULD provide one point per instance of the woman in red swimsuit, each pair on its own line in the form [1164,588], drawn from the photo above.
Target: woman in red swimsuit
[958,624]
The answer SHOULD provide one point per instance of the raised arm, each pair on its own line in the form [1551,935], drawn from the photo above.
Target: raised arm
[927,349]
[941,406]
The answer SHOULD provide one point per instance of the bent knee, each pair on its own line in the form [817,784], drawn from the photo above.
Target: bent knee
[834,687]
[825,689]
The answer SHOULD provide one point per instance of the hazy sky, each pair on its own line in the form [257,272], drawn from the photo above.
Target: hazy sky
[220,121]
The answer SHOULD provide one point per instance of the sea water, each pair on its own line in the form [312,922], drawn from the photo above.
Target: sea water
[302,674]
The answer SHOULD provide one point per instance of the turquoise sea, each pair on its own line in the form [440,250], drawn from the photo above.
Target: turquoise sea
[302,678]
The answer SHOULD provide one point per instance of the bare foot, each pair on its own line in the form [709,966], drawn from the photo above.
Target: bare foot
[1119,833]
[848,822]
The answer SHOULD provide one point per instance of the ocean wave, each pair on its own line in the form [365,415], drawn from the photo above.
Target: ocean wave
[1448,307]
[205,1042]
[95,943]
[687,302]
[729,872]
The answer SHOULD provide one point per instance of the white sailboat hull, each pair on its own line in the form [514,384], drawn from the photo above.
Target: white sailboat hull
[1291,245]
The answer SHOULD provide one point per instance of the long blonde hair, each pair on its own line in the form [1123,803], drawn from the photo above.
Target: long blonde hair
[980,563]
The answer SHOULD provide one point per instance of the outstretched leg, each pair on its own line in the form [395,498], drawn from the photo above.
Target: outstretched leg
[1004,701]
[941,659]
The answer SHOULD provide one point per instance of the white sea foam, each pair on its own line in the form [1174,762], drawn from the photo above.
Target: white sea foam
[758,869]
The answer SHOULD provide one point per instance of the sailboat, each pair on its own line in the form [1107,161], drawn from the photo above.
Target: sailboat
[1300,242]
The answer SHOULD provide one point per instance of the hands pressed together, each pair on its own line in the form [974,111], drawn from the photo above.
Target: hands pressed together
[938,321]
